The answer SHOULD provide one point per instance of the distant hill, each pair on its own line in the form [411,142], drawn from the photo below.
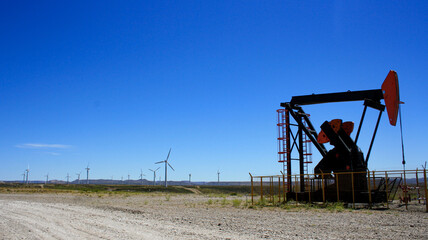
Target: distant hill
[139,182]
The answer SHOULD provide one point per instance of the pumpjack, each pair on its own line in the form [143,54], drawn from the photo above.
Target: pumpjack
[345,156]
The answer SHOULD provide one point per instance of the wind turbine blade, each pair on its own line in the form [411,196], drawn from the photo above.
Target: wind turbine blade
[157,169]
[171,167]
[151,170]
[159,162]
[168,155]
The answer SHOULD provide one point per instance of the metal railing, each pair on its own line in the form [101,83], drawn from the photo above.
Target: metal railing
[370,187]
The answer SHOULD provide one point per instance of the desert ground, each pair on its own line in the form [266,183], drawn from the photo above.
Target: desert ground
[193,216]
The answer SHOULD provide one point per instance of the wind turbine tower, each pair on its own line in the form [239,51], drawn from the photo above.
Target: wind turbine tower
[47,178]
[154,175]
[190,178]
[78,177]
[166,167]
[87,174]
[141,176]
[23,177]
[218,176]
[68,178]
[27,173]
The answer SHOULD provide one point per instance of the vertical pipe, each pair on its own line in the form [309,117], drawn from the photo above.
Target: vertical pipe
[353,190]
[337,186]
[386,189]
[369,189]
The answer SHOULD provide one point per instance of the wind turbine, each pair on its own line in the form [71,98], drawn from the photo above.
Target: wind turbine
[78,177]
[141,176]
[68,178]
[128,179]
[154,175]
[87,174]
[23,177]
[166,167]
[47,178]
[28,172]
[190,177]
[218,176]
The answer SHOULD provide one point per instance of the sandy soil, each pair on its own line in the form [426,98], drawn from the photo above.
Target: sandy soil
[191,216]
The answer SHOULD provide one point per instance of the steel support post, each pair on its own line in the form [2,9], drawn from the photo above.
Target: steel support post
[288,138]
[301,160]
[361,123]
[374,135]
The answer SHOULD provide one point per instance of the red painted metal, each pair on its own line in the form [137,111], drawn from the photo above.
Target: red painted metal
[391,96]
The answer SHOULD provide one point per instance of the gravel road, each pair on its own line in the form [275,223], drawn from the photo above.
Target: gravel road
[191,216]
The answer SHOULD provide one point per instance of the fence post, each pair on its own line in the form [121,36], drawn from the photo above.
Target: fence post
[425,188]
[374,181]
[283,185]
[295,187]
[353,190]
[337,186]
[279,190]
[386,189]
[261,189]
[417,186]
[310,189]
[406,190]
[252,190]
[370,191]
[272,197]
[322,187]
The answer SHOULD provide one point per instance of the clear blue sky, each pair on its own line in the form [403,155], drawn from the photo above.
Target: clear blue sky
[117,83]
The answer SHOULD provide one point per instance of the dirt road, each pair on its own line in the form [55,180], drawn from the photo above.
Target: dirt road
[188,216]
